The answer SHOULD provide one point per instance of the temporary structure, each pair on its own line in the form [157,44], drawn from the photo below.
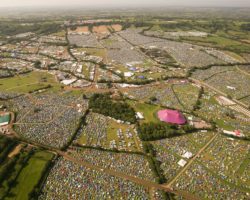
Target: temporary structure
[171,116]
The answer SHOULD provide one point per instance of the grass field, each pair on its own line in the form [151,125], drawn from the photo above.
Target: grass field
[30,175]
[28,82]
[149,111]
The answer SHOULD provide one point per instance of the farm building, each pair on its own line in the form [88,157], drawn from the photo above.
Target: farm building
[171,116]
[4,119]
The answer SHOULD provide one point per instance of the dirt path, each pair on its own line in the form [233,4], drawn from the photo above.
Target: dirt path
[151,193]
[168,185]
[22,85]
[244,72]
[15,151]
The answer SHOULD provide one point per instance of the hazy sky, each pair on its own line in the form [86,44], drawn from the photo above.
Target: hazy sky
[87,3]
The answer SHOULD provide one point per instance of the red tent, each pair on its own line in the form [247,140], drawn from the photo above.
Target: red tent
[171,116]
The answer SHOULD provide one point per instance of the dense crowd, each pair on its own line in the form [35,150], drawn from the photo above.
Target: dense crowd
[219,114]
[164,96]
[168,161]
[199,74]
[232,83]
[71,181]
[94,131]
[84,40]
[186,54]
[53,39]
[200,138]
[107,76]
[227,158]
[8,95]
[121,51]
[134,36]
[204,184]
[101,131]
[57,52]
[227,79]
[131,164]
[222,56]
[46,118]
[15,66]
[175,35]
[170,151]
[5,73]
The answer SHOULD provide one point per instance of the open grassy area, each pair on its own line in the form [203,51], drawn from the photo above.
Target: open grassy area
[28,82]
[149,111]
[30,175]
[221,124]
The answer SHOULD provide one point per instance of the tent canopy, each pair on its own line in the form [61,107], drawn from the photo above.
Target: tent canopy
[171,116]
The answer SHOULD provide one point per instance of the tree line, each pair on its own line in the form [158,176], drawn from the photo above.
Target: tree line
[159,130]
[103,104]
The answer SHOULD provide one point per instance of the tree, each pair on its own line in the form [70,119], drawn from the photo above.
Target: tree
[37,64]
[103,104]
[153,99]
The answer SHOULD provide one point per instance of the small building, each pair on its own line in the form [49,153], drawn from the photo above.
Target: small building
[4,119]
[128,74]
[231,88]
[182,163]
[139,115]
[187,155]
[68,81]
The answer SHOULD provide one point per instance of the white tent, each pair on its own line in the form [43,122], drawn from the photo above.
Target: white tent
[182,163]
[187,155]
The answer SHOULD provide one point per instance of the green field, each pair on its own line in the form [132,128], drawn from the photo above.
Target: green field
[149,111]
[221,123]
[28,82]
[30,175]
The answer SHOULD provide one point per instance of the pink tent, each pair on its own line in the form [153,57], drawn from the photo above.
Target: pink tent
[171,116]
[237,132]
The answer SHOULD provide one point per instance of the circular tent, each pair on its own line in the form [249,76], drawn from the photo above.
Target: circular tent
[171,116]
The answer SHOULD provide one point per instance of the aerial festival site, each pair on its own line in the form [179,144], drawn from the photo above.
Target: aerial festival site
[124,100]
